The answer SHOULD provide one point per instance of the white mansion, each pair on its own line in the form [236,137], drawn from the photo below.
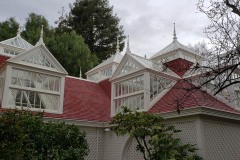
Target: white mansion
[32,78]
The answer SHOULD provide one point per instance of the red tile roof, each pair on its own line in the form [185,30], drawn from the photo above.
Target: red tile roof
[84,100]
[179,66]
[3,59]
[188,99]
[106,85]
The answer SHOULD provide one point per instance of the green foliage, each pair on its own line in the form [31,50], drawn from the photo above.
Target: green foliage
[33,26]
[71,51]
[155,138]
[94,20]
[24,135]
[8,29]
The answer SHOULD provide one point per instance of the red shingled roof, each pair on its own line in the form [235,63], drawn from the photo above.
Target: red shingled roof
[179,66]
[84,100]
[106,85]
[188,99]
[3,60]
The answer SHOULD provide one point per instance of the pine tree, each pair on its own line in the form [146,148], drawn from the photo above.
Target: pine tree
[95,22]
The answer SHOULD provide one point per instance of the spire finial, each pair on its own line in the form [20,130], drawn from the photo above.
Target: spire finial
[19,32]
[117,47]
[128,48]
[174,33]
[80,73]
[40,41]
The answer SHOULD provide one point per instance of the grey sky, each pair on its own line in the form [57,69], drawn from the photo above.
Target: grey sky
[148,22]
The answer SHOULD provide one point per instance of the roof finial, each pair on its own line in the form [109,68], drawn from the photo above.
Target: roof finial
[40,41]
[128,48]
[80,73]
[19,32]
[174,33]
[117,47]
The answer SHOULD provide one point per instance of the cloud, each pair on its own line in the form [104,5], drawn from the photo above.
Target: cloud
[148,22]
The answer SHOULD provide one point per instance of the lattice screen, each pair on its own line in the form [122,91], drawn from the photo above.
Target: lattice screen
[221,140]
[95,139]
[188,132]
[132,153]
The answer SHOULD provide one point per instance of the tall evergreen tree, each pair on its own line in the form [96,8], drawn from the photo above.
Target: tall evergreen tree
[33,28]
[71,51]
[8,28]
[94,20]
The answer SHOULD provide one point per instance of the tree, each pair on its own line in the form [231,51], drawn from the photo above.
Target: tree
[201,48]
[221,72]
[155,138]
[8,29]
[95,22]
[71,51]
[24,135]
[33,27]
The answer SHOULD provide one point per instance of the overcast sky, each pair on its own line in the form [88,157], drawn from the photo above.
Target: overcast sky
[149,23]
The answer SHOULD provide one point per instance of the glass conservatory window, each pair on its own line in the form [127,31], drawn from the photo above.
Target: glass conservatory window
[133,102]
[7,51]
[129,86]
[128,67]
[129,93]
[39,59]
[93,77]
[32,99]
[34,90]
[106,73]
[157,85]
[36,80]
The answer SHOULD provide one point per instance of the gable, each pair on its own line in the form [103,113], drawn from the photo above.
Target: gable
[179,66]
[39,57]
[127,65]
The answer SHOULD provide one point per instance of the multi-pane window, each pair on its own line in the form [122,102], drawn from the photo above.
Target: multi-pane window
[129,86]
[34,90]
[129,93]
[106,73]
[93,77]
[7,51]
[133,102]
[157,85]
[39,59]
[36,80]
[128,67]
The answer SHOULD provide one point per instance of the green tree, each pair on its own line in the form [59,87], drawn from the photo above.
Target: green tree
[95,22]
[24,135]
[33,27]
[8,29]
[71,51]
[155,138]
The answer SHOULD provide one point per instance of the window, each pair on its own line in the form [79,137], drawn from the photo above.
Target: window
[157,85]
[7,51]
[129,93]
[106,73]
[34,90]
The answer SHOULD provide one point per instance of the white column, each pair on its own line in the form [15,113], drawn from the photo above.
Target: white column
[112,96]
[6,87]
[146,78]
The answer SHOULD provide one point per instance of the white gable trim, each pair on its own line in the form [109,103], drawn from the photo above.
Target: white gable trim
[122,63]
[18,59]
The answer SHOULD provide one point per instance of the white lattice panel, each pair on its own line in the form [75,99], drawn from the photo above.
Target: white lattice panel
[221,141]
[95,139]
[188,132]
[132,153]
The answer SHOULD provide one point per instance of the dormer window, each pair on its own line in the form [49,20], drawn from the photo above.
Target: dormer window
[34,90]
